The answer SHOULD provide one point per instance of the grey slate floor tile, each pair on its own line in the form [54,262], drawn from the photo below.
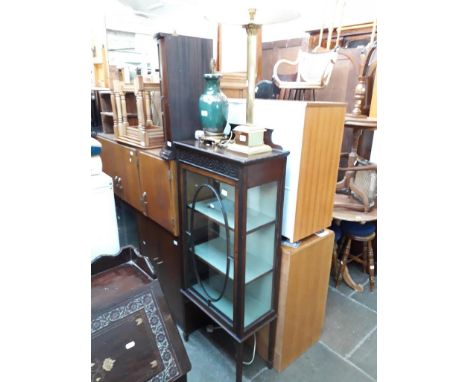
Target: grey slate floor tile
[365,357]
[212,362]
[367,297]
[346,323]
[318,364]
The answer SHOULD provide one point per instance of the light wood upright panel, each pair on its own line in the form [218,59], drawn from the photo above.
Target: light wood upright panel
[305,273]
[320,158]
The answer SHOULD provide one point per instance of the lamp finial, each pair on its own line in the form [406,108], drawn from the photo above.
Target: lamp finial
[252,12]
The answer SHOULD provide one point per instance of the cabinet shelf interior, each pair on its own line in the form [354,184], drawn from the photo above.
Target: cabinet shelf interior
[257,299]
[213,253]
[212,210]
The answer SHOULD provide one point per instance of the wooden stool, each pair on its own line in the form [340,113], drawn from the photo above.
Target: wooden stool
[364,233]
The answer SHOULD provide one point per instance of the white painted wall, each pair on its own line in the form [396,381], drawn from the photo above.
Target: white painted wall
[189,17]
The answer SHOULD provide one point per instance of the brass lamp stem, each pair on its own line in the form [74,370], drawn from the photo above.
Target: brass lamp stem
[251,29]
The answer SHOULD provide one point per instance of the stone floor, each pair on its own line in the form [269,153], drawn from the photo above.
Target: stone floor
[346,351]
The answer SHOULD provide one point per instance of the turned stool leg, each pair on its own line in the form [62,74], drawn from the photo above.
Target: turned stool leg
[365,264]
[334,265]
[370,261]
[344,259]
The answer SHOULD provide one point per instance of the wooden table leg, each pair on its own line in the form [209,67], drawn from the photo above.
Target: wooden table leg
[350,282]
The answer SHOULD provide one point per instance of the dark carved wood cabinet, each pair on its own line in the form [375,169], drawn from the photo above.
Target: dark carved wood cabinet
[183,61]
[231,210]
[133,337]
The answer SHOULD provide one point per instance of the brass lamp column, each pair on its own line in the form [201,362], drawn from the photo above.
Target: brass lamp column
[248,138]
[251,30]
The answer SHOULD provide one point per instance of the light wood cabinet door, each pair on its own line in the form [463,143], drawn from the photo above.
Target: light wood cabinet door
[159,191]
[107,157]
[126,159]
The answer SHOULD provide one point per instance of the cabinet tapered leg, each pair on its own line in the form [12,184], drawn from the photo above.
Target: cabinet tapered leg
[271,344]
[239,361]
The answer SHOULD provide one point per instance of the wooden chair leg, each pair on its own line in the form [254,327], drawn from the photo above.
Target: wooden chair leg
[334,265]
[371,265]
[344,259]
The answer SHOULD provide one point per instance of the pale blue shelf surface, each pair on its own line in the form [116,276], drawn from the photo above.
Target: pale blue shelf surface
[253,307]
[213,252]
[212,210]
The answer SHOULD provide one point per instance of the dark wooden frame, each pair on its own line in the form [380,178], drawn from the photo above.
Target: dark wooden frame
[183,61]
[242,173]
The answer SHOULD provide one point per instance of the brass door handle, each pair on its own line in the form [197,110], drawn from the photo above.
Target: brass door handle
[144,202]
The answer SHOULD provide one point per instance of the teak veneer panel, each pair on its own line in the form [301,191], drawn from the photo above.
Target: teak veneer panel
[321,145]
[159,180]
[127,158]
[139,171]
[303,291]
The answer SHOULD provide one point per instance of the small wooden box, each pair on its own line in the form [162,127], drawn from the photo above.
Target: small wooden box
[303,290]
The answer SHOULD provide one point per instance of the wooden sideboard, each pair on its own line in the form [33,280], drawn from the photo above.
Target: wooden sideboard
[143,180]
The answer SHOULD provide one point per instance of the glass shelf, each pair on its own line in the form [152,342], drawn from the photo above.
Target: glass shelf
[254,307]
[211,209]
[213,252]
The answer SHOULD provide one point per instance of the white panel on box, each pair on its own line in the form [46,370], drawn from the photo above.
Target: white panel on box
[286,118]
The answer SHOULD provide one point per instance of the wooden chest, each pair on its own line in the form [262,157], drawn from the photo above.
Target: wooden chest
[133,335]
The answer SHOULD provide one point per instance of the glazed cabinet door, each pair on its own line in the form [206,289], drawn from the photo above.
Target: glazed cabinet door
[159,190]
[210,234]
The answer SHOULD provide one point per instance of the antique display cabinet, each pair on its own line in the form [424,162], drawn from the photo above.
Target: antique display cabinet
[231,212]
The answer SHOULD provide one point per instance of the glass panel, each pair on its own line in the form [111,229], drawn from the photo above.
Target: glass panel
[260,250]
[208,254]
[258,298]
[207,203]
